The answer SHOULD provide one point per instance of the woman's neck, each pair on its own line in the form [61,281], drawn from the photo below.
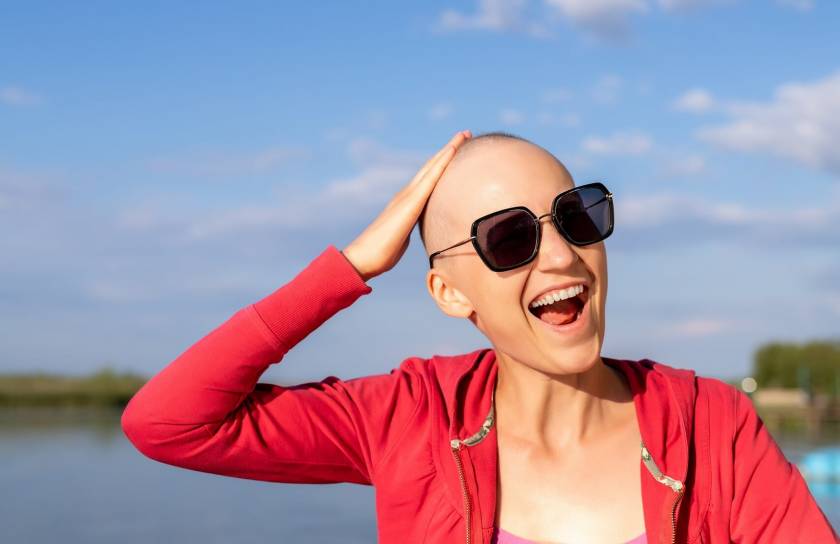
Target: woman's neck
[556,412]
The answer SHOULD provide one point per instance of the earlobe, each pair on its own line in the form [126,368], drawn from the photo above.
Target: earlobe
[448,298]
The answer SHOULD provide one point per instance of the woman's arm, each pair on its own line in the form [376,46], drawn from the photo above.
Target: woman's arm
[772,502]
[205,411]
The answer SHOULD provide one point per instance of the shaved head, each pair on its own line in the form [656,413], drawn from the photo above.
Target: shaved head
[492,172]
[436,225]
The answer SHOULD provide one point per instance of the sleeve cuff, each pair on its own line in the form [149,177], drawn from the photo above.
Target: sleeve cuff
[328,284]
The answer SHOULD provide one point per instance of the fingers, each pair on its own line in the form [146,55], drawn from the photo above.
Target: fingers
[436,157]
[436,166]
[454,142]
[418,189]
[384,241]
[452,145]
[459,137]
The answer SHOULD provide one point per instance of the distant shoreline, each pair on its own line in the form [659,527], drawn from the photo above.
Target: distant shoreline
[105,388]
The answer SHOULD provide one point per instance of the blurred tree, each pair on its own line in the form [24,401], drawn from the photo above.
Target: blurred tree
[813,366]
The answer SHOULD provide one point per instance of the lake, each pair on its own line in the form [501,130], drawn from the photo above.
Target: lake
[72,476]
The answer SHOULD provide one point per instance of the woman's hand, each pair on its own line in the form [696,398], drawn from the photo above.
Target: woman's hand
[381,245]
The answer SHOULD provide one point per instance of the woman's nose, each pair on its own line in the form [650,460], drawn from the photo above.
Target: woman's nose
[554,251]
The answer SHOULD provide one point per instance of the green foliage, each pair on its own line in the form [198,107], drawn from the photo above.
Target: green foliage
[105,387]
[813,366]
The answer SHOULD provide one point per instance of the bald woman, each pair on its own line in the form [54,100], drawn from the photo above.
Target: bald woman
[536,438]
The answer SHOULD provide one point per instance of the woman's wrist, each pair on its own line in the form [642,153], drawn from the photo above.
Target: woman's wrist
[344,252]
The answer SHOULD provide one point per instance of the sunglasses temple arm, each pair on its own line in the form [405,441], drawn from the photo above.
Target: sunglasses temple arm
[436,253]
[596,203]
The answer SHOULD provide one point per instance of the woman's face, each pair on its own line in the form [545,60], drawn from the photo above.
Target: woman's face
[495,175]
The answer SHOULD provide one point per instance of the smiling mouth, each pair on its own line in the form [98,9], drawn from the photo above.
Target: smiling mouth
[561,312]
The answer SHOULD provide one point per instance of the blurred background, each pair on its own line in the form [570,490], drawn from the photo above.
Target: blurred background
[164,164]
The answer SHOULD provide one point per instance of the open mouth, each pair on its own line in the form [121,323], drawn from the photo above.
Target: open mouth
[562,311]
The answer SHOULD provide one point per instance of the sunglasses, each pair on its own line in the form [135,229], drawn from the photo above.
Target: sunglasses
[510,238]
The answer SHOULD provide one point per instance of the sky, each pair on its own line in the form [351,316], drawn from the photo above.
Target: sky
[164,165]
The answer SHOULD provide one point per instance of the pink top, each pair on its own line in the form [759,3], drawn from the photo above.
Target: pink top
[503,537]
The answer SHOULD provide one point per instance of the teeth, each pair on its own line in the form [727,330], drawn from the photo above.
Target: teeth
[560,294]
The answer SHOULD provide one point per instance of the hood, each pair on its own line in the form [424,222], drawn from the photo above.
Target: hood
[663,397]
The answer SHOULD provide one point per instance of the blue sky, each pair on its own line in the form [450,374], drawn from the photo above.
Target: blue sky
[163,166]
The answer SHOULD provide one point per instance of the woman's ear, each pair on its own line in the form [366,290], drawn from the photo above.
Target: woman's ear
[448,298]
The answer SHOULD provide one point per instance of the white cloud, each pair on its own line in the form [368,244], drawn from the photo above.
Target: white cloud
[338,202]
[336,134]
[511,117]
[113,292]
[491,14]
[607,19]
[695,101]
[555,96]
[209,282]
[698,327]
[688,165]
[377,119]
[382,172]
[545,118]
[285,213]
[801,5]
[657,210]
[568,120]
[495,15]
[801,122]
[17,96]
[376,181]
[663,209]
[672,5]
[25,191]
[225,163]
[575,160]
[659,223]
[606,90]
[618,143]
[367,152]
[833,303]
[440,111]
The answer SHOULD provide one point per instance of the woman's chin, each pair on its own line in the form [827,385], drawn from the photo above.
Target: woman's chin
[572,360]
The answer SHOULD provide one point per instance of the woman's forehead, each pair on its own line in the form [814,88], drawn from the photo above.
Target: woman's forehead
[492,175]
[484,184]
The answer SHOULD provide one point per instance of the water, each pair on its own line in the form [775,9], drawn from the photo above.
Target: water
[74,477]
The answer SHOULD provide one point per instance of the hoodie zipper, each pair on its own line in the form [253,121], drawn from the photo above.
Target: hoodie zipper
[456,452]
[455,444]
[677,486]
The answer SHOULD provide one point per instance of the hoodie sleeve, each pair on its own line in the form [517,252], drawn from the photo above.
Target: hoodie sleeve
[206,411]
[772,502]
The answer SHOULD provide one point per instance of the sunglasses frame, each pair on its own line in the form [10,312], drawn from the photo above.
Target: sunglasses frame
[558,224]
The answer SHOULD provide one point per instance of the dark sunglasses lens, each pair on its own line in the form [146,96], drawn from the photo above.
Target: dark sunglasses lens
[507,239]
[585,215]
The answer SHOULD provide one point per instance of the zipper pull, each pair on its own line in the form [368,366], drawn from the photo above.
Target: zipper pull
[676,485]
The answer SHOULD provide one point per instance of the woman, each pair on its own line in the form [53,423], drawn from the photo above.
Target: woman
[539,439]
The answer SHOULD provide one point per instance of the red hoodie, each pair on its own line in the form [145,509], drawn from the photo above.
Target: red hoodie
[423,433]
